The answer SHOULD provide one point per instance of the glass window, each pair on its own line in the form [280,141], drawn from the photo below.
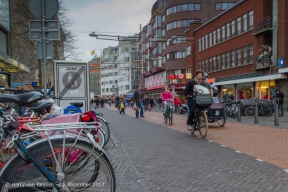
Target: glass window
[179,55]
[199,65]
[232,59]
[179,23]
[206,41]
[218,6]
[223,61]
[184,7]
[197,6]
[244,55]
[179,8]
[238,57]
[250,56]
[188,50]
[163,32]
[244,22]
[218,67]
[238,25]
[218,35]
[5,14]
[191,7]
[185,23]
[210,65]
[210,40]
[107,89]
[251,20]
[231,5]
[228,30]
[127,87]
[214,63]
[203,43]
[227,59]
[199,44]
[163,18]
[232,28]
[174,9]
[103,90]
[224,6]
[214,37]
[223,33]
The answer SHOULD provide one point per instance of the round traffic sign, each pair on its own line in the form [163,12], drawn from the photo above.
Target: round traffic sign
[51,8]
[73,83]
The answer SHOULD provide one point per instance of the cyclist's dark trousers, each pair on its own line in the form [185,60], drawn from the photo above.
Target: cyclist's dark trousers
[281,108]
[191,112]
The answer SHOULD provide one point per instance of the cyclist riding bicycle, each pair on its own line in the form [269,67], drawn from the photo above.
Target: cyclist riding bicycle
[165,97]
[189,92]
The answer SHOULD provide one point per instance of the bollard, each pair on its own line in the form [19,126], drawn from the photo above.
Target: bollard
[256,119]
[276,115]
[238,113]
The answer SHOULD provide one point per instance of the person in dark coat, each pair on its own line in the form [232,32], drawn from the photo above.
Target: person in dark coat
[280,100]
[138,96]
[151,102]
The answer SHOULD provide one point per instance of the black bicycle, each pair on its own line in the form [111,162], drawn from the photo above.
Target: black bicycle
[264,109]
[168,115]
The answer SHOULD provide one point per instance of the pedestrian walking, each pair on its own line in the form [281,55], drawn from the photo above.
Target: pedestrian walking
[151,102]
[122,105]
[138,96]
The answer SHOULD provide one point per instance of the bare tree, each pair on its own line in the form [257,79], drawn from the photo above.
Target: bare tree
[24,50]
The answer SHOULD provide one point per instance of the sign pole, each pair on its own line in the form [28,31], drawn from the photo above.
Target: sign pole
[44,48]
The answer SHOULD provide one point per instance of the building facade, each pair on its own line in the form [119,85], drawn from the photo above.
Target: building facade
[95,76]
[120,67]
[243,49]
[8,64]
[163,40]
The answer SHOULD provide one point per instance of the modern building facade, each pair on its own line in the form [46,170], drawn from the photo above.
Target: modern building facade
[244,49]
[119,68]
[163,40]
[8,64]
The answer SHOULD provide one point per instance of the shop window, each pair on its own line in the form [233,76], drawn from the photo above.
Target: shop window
[244,91]
[227,92]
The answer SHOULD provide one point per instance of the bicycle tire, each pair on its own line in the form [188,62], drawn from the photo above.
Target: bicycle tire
[106,129]
[266,111]
[203,129]
[102,139]
[165,118]
[250,111]
[221,123]
[15,169]
[170,117]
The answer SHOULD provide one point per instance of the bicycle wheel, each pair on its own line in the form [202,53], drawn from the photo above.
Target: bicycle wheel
[170,114]
[203,124]
[250,111]
[266,111]
[101,136]
[221,122]
[106,129]
[84,167]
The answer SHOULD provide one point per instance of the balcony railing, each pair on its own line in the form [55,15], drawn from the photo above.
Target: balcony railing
[263,25]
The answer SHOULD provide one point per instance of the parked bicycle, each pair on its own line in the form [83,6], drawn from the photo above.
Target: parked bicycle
[262,109]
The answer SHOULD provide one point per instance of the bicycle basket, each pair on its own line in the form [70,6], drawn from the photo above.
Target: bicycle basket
[203,100]
[199,89]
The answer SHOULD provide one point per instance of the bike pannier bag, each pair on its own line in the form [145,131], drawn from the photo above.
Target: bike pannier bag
[203,100]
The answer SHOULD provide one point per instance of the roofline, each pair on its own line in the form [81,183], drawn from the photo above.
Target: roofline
[219,15]
[186,30]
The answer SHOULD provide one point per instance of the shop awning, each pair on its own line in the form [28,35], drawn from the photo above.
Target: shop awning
[156,87]
[253,79]
[11,65]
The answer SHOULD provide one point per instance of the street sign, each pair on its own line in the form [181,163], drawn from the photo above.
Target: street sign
[49,50]
[51,8]
[51,25]
[37,35]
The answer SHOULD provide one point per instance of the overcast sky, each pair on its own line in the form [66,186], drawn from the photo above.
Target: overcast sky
[122,17]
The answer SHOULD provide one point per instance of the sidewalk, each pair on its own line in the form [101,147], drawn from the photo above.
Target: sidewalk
[263,143]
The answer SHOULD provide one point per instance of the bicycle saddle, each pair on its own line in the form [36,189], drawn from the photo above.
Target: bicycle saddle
[78,104]
[24,99]
[41,107]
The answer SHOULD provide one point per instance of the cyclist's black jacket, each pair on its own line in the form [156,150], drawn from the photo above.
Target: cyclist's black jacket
[189,89]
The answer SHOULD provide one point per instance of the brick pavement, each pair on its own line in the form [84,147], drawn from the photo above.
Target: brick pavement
[265,143]
[150,157]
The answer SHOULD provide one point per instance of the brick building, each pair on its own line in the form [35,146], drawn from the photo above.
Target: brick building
[243,49]
[162,40]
